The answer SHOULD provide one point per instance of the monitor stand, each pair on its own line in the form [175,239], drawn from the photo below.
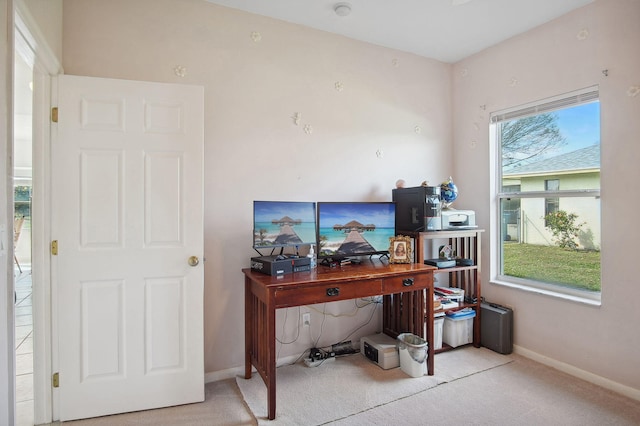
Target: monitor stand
[334,261]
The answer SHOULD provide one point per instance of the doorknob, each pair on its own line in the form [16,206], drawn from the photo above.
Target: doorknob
[193,261]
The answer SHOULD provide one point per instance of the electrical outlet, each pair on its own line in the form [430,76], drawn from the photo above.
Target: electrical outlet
[306,319]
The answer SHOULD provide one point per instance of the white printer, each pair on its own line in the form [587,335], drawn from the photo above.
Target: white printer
[458,219]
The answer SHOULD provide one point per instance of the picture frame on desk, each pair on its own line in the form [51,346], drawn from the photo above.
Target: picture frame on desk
[400,249]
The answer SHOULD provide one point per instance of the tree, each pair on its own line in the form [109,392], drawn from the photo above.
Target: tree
[526,138]
[564,228]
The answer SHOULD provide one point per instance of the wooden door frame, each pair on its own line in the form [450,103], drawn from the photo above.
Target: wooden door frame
[30,43]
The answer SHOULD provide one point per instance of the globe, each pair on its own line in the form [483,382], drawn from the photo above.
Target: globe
[448,191]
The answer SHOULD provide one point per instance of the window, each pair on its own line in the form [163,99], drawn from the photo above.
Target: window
[548,195]
[551,204]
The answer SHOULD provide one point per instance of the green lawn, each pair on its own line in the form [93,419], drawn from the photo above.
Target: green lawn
[579,269]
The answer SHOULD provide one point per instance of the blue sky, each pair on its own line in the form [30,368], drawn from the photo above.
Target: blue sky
[266,211]
[380,214]
[580,126]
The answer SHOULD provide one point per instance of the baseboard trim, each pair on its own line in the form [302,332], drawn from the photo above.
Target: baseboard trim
[231,373]
[579,373]
[558,365]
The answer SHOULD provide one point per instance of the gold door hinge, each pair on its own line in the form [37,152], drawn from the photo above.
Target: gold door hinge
[54,114]
[56,380]
[54,247]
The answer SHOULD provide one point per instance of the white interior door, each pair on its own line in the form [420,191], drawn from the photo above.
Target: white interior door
[127,216]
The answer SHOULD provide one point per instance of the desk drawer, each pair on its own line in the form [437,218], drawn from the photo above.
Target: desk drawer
[406,283]
[308,295]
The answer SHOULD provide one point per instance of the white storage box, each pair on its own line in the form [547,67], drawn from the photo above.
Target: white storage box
[458,331]
[437,332]
[381,349]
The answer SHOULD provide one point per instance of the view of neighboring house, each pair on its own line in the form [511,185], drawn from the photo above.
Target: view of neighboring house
[576,170]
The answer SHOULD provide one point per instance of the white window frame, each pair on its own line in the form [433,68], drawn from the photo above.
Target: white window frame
[579,97]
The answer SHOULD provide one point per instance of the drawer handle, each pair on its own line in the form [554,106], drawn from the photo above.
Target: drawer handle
[333,291]
[407,282]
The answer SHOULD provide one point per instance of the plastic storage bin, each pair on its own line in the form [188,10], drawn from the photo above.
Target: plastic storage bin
[437,332]
[458,331]
[413,354]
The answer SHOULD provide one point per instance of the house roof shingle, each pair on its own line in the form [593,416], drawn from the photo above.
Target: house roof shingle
[584,158]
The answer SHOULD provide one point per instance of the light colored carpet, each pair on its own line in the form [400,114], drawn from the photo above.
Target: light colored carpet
[223,406]
[520,393]
[469,391]
[350,385]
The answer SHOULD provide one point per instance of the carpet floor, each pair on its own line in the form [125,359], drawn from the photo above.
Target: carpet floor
[350,385]
[472,386]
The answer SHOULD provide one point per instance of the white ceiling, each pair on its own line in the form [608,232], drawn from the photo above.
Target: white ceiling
[446,30]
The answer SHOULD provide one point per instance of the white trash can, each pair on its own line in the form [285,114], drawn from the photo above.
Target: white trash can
[413,354]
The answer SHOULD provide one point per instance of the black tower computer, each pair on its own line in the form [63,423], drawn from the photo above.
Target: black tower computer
[418,208]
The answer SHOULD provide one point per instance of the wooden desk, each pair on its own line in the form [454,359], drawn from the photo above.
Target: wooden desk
[405,288]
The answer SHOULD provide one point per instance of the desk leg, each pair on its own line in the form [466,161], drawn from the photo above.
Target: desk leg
[248,327]
[271,356]
[429,320]
[260,341]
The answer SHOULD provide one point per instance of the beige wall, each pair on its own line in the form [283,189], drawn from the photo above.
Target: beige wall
[564,55]
[253,149]
[48,15]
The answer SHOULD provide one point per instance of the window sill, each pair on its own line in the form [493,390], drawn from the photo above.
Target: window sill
[548,292]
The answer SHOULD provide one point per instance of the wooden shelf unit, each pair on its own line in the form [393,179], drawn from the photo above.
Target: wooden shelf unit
[466,243]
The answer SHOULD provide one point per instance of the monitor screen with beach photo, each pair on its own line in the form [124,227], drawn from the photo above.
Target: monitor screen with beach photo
[280,224]
[352,229]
